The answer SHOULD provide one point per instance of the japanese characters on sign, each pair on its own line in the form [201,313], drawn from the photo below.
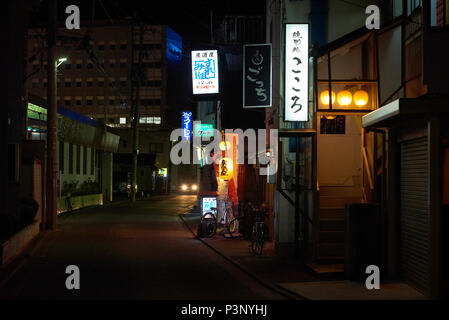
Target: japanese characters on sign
[208,204]
[203,130]
[205,71]
[257,75]
[296,72]
[186,125]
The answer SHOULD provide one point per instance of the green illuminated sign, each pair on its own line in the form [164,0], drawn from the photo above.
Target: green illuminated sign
[203,130]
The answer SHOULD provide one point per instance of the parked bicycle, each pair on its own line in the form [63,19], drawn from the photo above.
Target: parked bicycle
[259,231]
[208,224]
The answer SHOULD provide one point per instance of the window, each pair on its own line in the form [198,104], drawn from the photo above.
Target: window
[89,83]
[67,102]
[85,160]
[154,83]
[71,158]
[122,63]
[100,82]
[412,5]
[89,101]
[112,46]
[79,64]
[68,66]
[35,83]
[101,47]
[156,148]
[125,143]
[123,120]
[111,101]
[92,160]
[78,82]
[123,46]
[78,159]
[123,82]
[112,82]
[150,120]
[112,63]
[68,83]
[61,156]
[78,101]
[45,83]
[100,100]
[90,65]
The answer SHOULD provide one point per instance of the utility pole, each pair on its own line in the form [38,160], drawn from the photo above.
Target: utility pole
[51,118]
[137,74]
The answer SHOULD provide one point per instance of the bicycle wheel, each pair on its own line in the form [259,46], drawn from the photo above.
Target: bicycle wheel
[254,241]
[233,226]
[260,242]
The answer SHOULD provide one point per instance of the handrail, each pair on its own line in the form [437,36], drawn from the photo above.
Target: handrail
[317,184]
[391,95]
[368,169]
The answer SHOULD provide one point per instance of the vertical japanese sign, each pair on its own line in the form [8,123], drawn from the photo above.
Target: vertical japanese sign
[296,72]
[257,75]
[205,71]
[186,125]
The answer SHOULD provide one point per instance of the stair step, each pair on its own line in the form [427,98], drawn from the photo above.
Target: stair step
[332,225]
[330,249]
[330,259]
[331,236]
[337,202]
[322,270]
[332,213]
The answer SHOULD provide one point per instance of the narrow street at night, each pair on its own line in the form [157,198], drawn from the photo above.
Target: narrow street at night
[130,251]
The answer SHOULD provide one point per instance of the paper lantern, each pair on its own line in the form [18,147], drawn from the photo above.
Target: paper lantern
[361,98]
[344,98]
[226,169]
[324,97]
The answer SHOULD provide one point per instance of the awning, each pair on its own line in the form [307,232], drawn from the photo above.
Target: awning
[405,108]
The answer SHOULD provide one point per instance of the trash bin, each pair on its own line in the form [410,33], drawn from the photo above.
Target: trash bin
[363,240]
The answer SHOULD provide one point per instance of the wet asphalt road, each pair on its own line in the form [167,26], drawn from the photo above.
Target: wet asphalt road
[130,251]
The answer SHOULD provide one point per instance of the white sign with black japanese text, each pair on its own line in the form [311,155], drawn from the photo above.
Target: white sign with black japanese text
[296,72]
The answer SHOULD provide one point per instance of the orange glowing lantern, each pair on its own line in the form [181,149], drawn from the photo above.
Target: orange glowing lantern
[361,98]
[226,169]
[324,97]
[344,98]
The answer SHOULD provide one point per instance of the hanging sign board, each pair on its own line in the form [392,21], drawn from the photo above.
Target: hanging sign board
[296,72]
[257,76]
[205,71]
[186,125]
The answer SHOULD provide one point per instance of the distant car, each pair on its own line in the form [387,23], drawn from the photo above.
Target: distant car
[188,187]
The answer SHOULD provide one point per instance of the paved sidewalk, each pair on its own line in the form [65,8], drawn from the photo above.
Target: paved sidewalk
[290,277]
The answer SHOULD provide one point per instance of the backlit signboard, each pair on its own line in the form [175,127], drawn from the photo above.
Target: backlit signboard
[186,125]
[257,76]
[296,72]
[208,204]
[203,130]
[205,71]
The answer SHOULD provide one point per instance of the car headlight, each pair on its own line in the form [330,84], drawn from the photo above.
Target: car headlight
[194,187]
[184,187]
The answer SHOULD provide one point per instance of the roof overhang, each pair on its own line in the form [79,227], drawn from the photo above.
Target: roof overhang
[405,108]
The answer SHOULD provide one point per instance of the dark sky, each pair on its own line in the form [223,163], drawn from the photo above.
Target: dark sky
[189,18]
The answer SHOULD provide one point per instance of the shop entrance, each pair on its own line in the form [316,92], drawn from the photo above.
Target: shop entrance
[339,179]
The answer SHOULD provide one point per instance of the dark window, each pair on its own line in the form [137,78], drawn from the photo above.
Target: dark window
[89,102]
[68,84]
[123,46]
[68,66]
[68,102]
[78,102]
[100,83]
[78,159]
[90,66]
[78,84]
[122,64]
[89,83]
[112,64]
[123,83]
[112,83]
[111,102]
[92,160]
[125,143]
[112,47]
[61,156]
[45,84]
[101,47]
[85,160]
[71,158]
[156,148]
[78,65]
[100,102]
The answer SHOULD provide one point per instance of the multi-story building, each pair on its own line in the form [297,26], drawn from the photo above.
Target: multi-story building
[362,177]
[99,78]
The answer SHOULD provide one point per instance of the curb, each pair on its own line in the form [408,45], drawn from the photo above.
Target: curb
[289,295]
